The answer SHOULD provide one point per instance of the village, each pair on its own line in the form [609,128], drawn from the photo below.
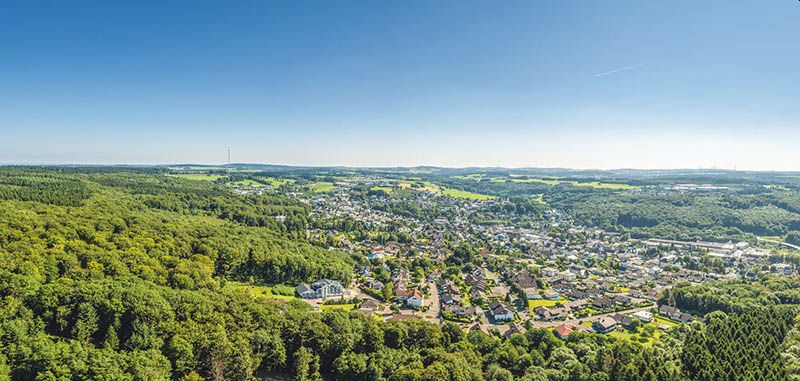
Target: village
[445,263]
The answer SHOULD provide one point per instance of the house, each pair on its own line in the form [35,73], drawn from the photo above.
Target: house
[523,280]
[449,299]
[400,274]
[305,291]
[564,330]
[543,314]
[602,303]
[478,327]
[531,293]
[621,300]
[604,325]
[411,297]
[501,312]
[514,329]
[323,288]
[371,304]
[577,305]
[550,294]
[644,316]
[674,314]
[373,284]
[576,295]
[623,320]
[461,311]
[327,288]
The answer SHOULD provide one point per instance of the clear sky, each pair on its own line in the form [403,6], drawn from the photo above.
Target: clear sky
[582,84]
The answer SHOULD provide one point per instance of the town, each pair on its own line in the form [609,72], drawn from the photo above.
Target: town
[491,265]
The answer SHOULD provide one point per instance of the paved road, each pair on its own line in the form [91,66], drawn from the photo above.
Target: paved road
[433,311]
[546,324]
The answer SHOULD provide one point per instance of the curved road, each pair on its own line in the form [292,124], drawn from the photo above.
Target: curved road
[787,244]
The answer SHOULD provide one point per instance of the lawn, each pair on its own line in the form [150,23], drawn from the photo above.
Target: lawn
[261,290]
[625,334]
[544,303]
[331,307]
[322,187]
[197,176]
[660,320]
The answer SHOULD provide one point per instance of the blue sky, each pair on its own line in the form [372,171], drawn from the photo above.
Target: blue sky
[634,84]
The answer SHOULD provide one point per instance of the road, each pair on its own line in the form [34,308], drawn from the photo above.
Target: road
[787,244]
[432,315]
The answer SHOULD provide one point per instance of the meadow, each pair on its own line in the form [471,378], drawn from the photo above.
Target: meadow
[322,187]
[197,176]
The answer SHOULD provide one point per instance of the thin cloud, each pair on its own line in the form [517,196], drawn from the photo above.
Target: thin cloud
[618,70]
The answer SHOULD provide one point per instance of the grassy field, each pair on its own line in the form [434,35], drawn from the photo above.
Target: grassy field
[457,193]
[544,303]
[322,187]
[549,181]
[330,307]
[197,176]
[277,182]
[261,290]
[248,183]
[591,184]
[385,189]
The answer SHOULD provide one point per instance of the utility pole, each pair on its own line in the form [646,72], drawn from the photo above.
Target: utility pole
[229,162]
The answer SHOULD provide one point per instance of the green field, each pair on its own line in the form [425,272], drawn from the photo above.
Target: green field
[322,187]
[544,303]
[591,184]
[331,307]
[248,183]
[385,189]
[197,176]
[277,182]
[457,193]
[261,290]
[549,181]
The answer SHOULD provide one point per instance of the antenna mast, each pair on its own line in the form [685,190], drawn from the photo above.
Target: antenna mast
[229,161]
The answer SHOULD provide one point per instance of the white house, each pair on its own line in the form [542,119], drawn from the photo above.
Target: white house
[501,312]
[643,316]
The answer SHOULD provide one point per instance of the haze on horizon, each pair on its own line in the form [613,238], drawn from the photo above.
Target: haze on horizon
[623,84]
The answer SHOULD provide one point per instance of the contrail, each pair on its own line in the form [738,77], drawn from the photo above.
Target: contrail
[626,68]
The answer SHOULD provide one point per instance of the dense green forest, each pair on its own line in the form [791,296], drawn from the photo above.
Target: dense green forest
[128,275]
[686,216]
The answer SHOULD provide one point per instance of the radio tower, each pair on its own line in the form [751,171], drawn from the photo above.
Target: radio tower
[229,162]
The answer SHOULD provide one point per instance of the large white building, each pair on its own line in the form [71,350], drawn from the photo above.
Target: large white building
[323,288]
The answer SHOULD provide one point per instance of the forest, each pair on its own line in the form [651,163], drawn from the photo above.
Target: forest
[129,275]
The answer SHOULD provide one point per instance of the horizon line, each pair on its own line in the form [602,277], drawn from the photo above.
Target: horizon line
[333,166]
